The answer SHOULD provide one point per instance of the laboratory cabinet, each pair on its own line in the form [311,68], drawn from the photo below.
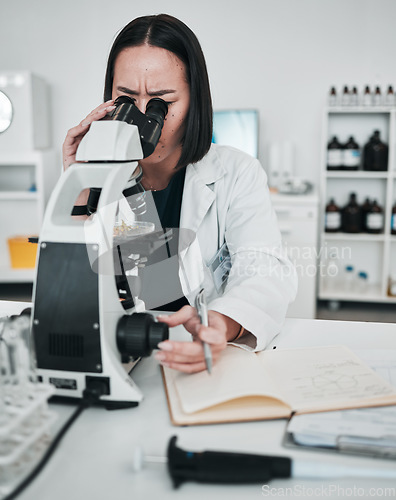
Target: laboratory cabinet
[298,220]
[26,181]
[357,266]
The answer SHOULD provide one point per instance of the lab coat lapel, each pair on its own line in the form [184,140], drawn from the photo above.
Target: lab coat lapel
[199,194]
[198,197]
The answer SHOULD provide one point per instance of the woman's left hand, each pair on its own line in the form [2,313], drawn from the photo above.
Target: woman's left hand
[189,357]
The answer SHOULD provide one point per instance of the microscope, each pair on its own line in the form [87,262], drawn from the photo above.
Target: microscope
[88,323]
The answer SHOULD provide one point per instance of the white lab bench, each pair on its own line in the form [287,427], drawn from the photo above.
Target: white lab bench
[94,460]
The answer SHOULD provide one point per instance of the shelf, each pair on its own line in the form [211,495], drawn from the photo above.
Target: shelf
[373,253]
[360,109]
[373,294]
[20,158]
[9,275]
[355,174]
[354,237]
[18,195]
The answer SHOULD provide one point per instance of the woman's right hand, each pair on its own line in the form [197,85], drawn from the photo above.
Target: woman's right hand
[75,134]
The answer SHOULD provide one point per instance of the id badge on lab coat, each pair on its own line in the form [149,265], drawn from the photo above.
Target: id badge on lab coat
[220,266]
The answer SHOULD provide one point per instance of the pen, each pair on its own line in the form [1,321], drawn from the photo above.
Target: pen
[202,308]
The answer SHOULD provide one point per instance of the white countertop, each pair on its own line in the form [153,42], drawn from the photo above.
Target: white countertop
[94,460]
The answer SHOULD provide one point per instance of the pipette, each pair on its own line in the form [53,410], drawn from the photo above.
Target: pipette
[243,468]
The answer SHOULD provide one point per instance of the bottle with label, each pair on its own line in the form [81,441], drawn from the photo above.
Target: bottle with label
[367,97]
[333,217]
[352,216]
[377,97]
[332,97]
[390,99]
[345,98]
[393,219]
[375,156]
[351,155]
[354,97]
[365,208]
[375,219]
[334,155]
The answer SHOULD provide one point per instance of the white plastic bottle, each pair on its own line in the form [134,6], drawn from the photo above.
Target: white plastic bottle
[390,99]
[367,98]
[346,97]
[362,282]
[332,98]
[377,98]
[354,97]
[349,278]
[332,272]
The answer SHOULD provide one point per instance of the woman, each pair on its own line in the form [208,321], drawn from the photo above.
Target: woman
[216,191]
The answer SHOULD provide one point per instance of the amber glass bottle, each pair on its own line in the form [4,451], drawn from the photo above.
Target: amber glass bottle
[352,216]
[333,217]
[375,154]
[334,155]
[365,209]
[351,155]
[375,219]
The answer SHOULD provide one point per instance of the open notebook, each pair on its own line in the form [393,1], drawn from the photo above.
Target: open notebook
[273,384]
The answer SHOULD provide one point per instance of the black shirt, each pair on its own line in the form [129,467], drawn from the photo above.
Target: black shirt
[168,201]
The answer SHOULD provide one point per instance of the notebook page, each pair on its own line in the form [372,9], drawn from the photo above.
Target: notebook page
[322,377]
[237,373]
[323,429]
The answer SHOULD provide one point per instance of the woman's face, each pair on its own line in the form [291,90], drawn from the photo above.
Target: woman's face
[145,72]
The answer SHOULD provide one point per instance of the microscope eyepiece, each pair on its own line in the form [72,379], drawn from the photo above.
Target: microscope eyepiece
[124,99]
[124,110]
[149,124]
[157,109]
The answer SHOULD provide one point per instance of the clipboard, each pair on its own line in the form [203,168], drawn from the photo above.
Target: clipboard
[384,447]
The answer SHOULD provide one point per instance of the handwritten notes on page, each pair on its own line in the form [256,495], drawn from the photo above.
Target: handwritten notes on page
[372,429]
[331,374]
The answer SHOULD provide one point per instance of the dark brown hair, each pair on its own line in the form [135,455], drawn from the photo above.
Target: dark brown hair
[170,33]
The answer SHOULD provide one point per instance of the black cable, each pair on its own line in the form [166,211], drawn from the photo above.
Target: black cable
[90,398]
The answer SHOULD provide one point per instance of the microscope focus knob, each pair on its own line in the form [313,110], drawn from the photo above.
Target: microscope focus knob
[138,334]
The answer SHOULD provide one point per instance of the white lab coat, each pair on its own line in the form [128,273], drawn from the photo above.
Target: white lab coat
[226,199]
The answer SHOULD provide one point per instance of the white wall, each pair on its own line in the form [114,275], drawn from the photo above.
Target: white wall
[279,56]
